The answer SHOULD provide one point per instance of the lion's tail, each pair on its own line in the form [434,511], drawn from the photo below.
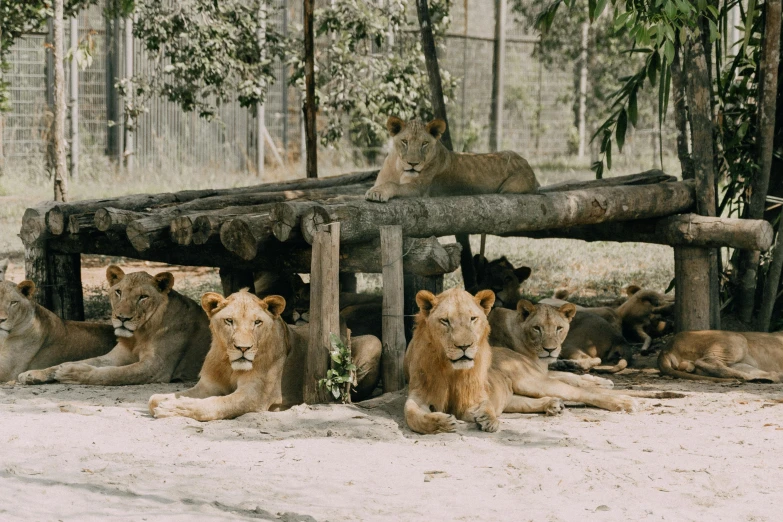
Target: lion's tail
[621,365]
[666,368]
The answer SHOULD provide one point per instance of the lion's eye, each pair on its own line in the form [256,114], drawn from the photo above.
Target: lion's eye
[404,143]
[424,145]
[118,293]
[537,329]
[229,321]
[444,322]
[258,322]
[473,319]
[559,329]
[13,303]
[143,297]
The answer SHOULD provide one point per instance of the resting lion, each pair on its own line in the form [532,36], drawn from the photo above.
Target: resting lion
[714,355]
[535,333]
[162,336]
[419,165]
[452,371]
[501,277]
[3,267]
[255,362]
[32,337]
[593,344]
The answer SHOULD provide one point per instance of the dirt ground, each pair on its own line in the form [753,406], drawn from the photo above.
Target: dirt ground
[92,453]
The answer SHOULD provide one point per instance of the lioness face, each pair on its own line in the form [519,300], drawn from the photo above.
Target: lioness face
[644,305]
[415,143]
[3,268]
[545,327]
[501,277]
[135,298]
[243,323]
[458,322]
[16,306]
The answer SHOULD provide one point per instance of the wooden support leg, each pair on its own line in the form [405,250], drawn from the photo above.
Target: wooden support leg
[692,279]
[414,283]
[393,321]
[324,309]
[233,280]
[36,268]
[65,286]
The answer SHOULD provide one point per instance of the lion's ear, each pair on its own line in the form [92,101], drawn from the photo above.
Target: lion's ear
[522,273]
[525,308]
[27,288]
[436,128]
[632,290]
[114,275]
[568,310]
[275,305]
[485,299]
[164,281]
[210,301]
[394,125]
[426,301]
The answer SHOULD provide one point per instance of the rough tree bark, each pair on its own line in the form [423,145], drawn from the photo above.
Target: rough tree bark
[309,104]
[58,127]
[681,114]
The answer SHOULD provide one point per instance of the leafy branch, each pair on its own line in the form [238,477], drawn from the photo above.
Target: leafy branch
[342,375]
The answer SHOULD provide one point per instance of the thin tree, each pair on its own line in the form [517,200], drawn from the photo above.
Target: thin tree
[309,104]
[58,130]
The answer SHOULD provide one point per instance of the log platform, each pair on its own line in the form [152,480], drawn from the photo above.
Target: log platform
[273,227]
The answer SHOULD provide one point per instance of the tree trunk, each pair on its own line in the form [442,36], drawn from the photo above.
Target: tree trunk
[287,218]
[681,115]
[309,104]
[244,235]
[74,100]
[582,120]
[698,88]
[520,212]
[58,130]
[768,87]
[498,77]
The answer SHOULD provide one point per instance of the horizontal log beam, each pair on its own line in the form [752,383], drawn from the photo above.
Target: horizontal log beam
[681,230]
[502,214]
[644,178]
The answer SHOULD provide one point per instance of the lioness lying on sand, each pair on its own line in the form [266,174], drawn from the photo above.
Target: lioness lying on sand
[593,344]
[714,355]
[32,337]
[256,362]
[419,165]
[161,336]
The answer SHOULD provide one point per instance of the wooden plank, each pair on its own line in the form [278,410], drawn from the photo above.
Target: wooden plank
[64,286]
[324,310]
[393,325]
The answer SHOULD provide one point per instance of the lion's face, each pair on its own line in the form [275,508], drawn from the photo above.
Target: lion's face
[416,144]
[17,309]
[3,268]
[457,322]
[643,305]
[501,277]
[135,298]
[243,324]
[544,328]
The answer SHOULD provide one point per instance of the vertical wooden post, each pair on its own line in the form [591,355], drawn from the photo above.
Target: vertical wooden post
[324,309]
[129,127]
[393,325]
[692,303]
[36,269]
[309,104]
[74,100]
[498,63]
[414,283]
[64,289]
[233,280]
[260,111]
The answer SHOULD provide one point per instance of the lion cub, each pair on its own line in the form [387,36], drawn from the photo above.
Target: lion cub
[419,165]
[255,362]
[161,336]
[451,369]
[714,355]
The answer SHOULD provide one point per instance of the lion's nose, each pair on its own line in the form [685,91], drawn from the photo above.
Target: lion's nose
[123,318]
[412,164]
[242,349]
[463,347]
[550,350]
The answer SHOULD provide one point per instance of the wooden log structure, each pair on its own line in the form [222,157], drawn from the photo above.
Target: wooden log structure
[502,214]
[393,324]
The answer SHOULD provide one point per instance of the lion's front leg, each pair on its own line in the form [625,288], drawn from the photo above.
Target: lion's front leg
[386,191]
[45,376]
[421,420]
[484,415]
[582,381]
[211,408]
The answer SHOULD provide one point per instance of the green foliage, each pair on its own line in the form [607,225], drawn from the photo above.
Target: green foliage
[342,375]
[369,66]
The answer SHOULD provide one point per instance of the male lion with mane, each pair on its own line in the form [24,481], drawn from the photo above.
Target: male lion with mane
[256,362]
[161,336]
[721,356]
[32,337]
[420,165]
[452,371]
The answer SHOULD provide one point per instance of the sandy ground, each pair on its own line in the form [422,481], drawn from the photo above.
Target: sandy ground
[92,453]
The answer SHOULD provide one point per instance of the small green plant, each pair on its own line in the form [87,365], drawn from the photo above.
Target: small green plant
[342,375]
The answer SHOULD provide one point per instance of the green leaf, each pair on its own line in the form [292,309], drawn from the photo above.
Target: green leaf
[609,153]
[336,392]
[591,9]
[668,51]
[622,125]
[599,8]
[654,63]
[598,168]
[632,112]
[671,286]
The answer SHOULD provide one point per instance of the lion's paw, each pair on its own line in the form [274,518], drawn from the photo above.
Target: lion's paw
[441,422]
[554,407]
[599,382]
[487,422]
[625,403]
[180,407]
[73,373]
[377,194]
[34,377]
[156,399]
